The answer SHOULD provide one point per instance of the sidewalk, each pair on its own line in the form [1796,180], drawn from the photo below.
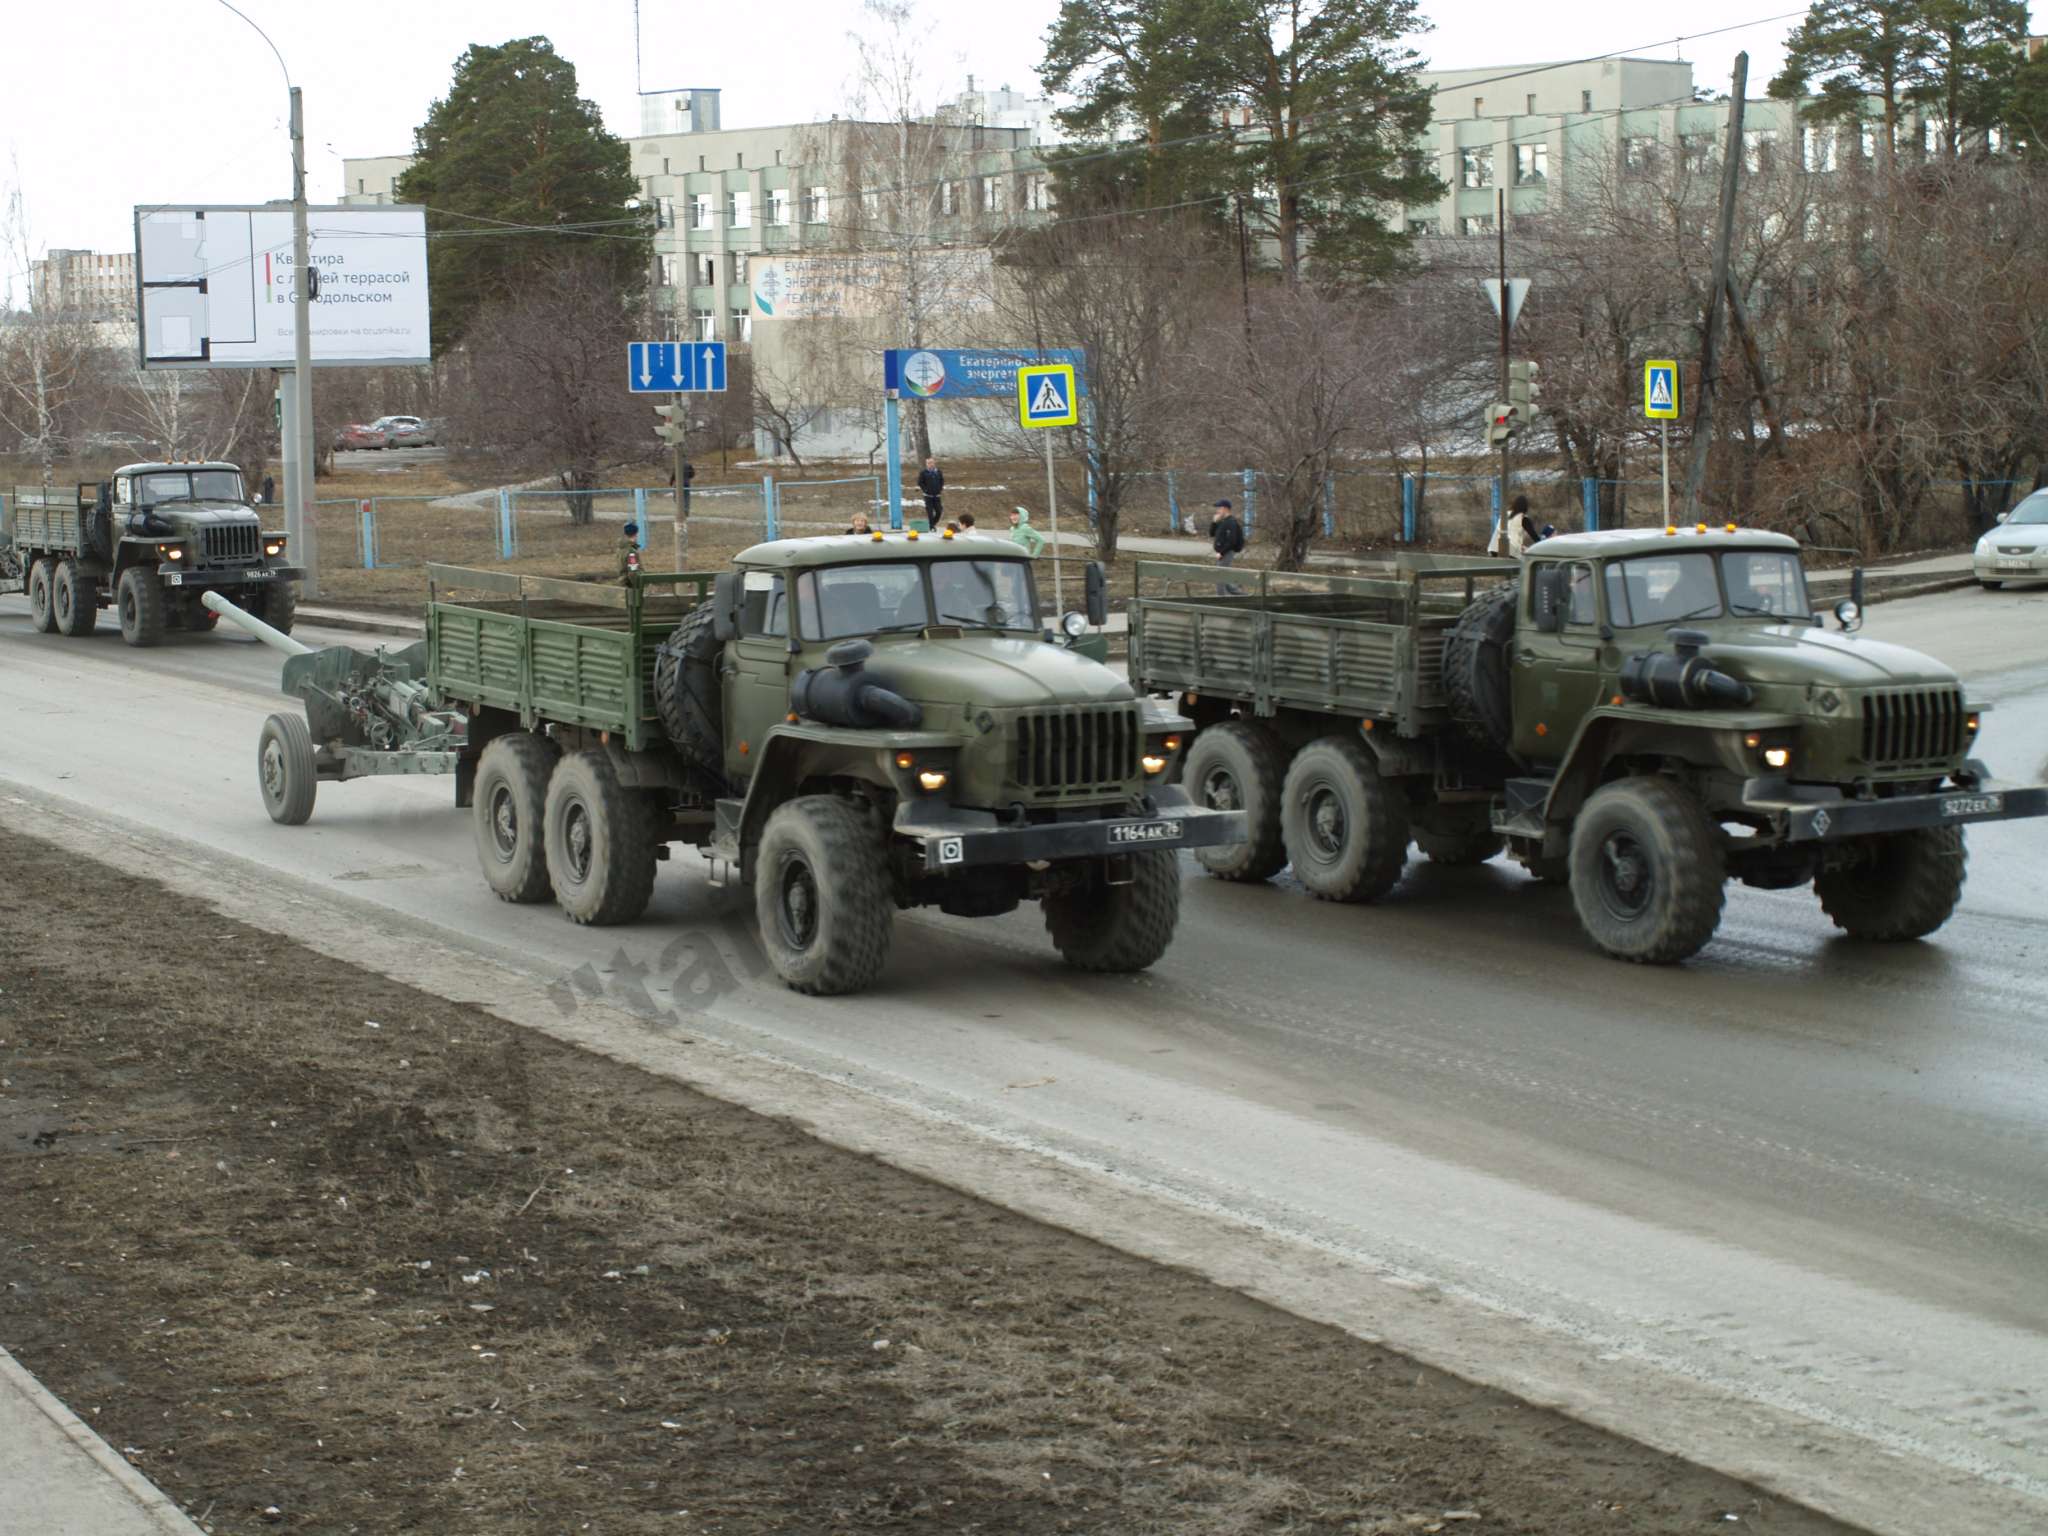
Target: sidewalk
[58,1478]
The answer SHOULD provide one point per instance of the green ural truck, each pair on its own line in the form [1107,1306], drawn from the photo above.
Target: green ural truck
[851,725]
[1640,714]
[148,543]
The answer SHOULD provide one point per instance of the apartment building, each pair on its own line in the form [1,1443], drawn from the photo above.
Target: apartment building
[97,284]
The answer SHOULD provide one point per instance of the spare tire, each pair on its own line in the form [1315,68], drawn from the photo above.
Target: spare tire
[686,693]
[1476,675]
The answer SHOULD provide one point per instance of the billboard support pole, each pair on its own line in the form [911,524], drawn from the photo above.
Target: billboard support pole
[892,431]
[302,537]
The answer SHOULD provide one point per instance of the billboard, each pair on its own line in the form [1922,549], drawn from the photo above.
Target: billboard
[969,373]
[859,286]
[216,285]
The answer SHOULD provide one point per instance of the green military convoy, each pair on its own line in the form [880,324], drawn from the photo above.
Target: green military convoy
[854,725]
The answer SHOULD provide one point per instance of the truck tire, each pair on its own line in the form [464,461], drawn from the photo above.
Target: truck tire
[1903,887]
[1346,830]
[41,600]
[600,842]
[509,810]
[686,692]
[1476,668]
[139,601]
[1647,871]
[74,600]
[285,771]
[1116,929]
[279,606]
[197,617]
[1239,766]
[821,896]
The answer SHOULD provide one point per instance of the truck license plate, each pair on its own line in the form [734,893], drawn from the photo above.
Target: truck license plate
[1972,805]
[1163,831]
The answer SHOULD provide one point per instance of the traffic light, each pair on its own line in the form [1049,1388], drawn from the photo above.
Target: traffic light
[1522,387]
[1503,421]
[674,423]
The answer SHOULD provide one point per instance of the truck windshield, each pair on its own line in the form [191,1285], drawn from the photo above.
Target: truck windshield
[181,484]
[1662,589]
[985,594]
[1764,581]
[845,600]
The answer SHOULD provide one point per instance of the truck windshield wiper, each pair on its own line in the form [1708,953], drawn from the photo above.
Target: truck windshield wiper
[995,616]
[1767,613]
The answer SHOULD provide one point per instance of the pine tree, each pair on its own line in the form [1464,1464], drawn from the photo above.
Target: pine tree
[513,144]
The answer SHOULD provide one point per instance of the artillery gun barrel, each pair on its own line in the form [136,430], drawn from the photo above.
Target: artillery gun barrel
[276,639]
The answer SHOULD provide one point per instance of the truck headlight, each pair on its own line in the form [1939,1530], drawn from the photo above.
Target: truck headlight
[1777,757]
[931,781]
[1152,763]
[273,547]
[1074,625]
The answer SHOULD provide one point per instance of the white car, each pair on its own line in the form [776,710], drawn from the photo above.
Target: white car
[2017,549]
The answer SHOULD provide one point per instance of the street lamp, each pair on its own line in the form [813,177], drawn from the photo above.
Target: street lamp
[301,530]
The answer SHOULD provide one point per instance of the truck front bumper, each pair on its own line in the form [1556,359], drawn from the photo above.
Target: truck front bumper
[1830,818]
[953,838]
[235,576]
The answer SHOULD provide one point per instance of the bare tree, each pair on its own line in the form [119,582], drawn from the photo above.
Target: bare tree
[46,351]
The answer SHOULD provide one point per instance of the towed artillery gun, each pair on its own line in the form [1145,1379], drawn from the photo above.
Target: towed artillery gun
[365,715]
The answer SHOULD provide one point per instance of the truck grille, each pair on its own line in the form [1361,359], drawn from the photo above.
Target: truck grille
[229,543]
[1087,748]
[1912,727]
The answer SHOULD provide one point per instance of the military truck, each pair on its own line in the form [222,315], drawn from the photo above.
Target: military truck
[148,543]
[851,725]
[1641,715]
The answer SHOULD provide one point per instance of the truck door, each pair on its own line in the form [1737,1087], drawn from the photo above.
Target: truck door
[757,683]
[1557,673]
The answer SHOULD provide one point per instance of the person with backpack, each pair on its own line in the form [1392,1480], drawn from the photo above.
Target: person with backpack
[1226,537]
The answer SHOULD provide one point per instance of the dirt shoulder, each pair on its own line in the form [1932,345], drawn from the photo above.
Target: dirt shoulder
[321,1252]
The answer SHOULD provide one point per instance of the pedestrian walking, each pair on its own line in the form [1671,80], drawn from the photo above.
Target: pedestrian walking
[267,494]
[931,483]
[1022,534]
[1518,528]
[1226,537]
[629,549]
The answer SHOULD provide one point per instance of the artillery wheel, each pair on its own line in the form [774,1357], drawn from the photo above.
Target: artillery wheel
[510,808]
[285,771]
[139,600]
[74,600]
[1118,928]
[600,841]
[41,614]
[821,896]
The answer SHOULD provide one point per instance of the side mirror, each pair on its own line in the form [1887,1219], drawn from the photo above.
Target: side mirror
[1097,603]
[725,606]
[1546,598]
[2003,516]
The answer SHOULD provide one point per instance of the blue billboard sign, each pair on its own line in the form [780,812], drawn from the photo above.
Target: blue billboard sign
[968,373]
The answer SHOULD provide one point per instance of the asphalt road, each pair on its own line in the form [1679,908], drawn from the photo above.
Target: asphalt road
[1798,1175]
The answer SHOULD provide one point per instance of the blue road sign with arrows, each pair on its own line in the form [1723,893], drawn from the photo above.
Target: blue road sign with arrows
[675,367]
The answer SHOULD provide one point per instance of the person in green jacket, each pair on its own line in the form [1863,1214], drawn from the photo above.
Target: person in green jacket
[1023,534]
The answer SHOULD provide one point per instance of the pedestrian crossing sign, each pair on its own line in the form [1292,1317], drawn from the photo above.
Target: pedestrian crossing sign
[1660,389]
[1046,395]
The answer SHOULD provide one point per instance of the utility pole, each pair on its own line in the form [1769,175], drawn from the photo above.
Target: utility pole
[1724,237]
[1244,271]
[1500,230]
[301,527]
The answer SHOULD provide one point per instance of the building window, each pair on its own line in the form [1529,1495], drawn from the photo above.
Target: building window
[700,210]
[742,325]
[739,268]
[700,162]
[705,323]
[1529,105]
[664,213]
[739,209]
[669,266]
[1820,149]
[1532,164]
[1037,193]
[778,205]
[1638,155]
[359,184]
[1697,150]
[949,197]
[1759,147]
[1867,141]
[740,160]
[871,206]
[1479,106]
[1585,101]
[778,157]
[991,194]
[1476,224]
[703,270]
[1423,226]
[1476,166]
[817,206]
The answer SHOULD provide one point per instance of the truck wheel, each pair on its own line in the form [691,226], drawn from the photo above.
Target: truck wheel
[1346,830]
[509,808]
[1116,929]
[1900,887]
[280,606]
[1458,846]
[821,896]
[41,613]
[599,840]
[686,691]
[139,600]
[1647,874]
[1239,766]
[1475,667]
[285,771]
[199,618]
[74,600]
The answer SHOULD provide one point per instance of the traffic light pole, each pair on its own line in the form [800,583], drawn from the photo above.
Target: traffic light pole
[1500,230]
[682,467]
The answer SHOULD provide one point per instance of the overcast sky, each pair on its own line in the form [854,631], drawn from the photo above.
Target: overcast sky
[105,104]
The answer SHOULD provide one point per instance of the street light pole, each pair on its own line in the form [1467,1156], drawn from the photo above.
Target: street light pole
[301,528]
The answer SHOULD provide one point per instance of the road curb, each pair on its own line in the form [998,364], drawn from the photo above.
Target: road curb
[333,618]
[158,1513]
